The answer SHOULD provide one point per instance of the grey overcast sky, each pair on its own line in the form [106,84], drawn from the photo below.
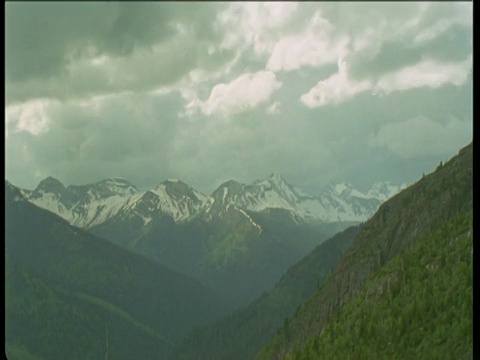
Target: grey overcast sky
[207,92]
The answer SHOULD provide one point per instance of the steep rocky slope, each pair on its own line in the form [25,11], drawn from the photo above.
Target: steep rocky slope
[419,306]
[400,222]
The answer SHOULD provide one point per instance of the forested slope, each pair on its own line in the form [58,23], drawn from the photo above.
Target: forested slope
[420,306]
[402,221]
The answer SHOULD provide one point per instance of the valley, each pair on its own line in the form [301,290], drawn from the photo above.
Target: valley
[239,180]
[262,281]
[239,240]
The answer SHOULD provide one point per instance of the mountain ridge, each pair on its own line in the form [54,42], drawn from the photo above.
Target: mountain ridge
[89,205]
[238,241]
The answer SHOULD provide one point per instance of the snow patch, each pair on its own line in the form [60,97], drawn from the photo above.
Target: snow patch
[225,192]
[251,221]
[339,188]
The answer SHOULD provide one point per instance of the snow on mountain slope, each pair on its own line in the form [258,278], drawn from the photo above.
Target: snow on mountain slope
[173,198]
[92,204]
[344,202]
[385,190]
[88,205]
[338,202]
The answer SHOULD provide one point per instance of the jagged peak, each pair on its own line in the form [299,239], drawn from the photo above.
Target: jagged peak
[275,177]
[272,179]
[50,184]
[174,181]
[119,181]
[339,186]
[226,190]
[176,187]
[173,184]
[229,184]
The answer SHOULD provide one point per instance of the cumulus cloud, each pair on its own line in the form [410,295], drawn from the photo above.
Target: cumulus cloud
[95,90]
[284,35]
[340,86]
[335,89]
[316,46]
[422,136]
[292,52]
[245,92]
[31,116]
[255,24]
[427,73]
[408,46]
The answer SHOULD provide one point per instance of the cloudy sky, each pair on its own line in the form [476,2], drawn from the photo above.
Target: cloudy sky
[207,92]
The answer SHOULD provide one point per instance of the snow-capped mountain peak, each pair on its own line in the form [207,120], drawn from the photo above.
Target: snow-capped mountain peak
[115,186]
[275,178]
[341,187]
[339,201]
[178,200]
[92,204]
[177,189]
[49,185]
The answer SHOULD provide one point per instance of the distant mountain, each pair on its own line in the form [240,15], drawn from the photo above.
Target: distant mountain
[239,240]
[89,205]
[411,234]
[59,276]
[338,202]
[243,333]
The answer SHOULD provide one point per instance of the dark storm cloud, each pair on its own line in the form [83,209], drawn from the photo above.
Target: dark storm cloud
[46,43]
[81,106]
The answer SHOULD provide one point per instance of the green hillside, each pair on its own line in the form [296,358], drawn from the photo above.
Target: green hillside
[420,306]
[414,214]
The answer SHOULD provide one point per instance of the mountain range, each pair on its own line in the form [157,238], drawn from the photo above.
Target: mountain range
[398,285]
[239,240]
[89,205]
